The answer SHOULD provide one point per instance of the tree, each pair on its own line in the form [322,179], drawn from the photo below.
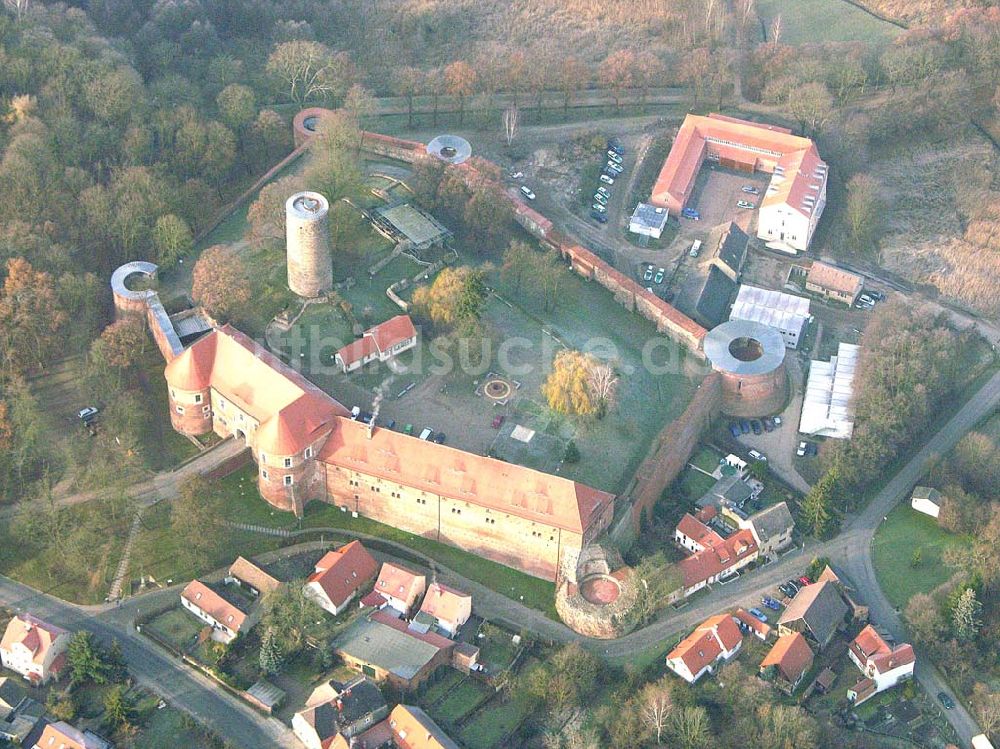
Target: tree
[618,73]
[488,219]
[266,215]
[976,459]
[986,704]
[270,657]
[815,509]
[31,318]
[689,728]
[657,705]
[924,620]
[603,384]
[85,660]
[290,617]
[408,82]
[194,515]
[120,346]
[117,709]
[360,103]
[812,105]
[335,169]
[916,557]
[310,71]
[758,469]
[237,106]
[863,212]
[60,704]
[580,384]
[460,82]
[220,282]
[571,76]
[111,96]
[172,239]
[695,70]
[455,299]
[649,71]
[511,120]
[965,617]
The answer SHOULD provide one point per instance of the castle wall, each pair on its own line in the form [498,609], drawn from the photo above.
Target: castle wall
[190,411]
[754,395]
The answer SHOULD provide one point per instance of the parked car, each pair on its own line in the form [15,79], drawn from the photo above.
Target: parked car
[695,248]
[88,414]
[526,191]
[648,275]
[758,456]
[498,421]
[745,204]
[750,190]
[599,217]
[427,434]
[755,425]
[947,702]
[691,213]
[866,299]
[390,424]
[604,191]
[770,603]
[788,590]
[734,429]
[439,438]
[801,449]
[616,145]
[602,199]
[812,449]
[613,168]
[658,278]
[776,420]
[599,208]
[607,179]
[757,613]
[614,157]
[878,296]
[516,175]
[805,580]
[768,423]
[744,426]
[408,429]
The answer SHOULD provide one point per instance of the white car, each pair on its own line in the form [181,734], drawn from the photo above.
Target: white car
[526,191]
[607,180]
[801,450]
[426,434]
[614,157]
[754,455]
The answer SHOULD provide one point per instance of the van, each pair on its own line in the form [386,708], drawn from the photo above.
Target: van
[426,434]
[754,455]
[695,248]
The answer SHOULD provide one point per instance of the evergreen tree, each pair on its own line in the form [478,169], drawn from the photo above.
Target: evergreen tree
[116,706]
[815,508]
[86,661]
[270,654]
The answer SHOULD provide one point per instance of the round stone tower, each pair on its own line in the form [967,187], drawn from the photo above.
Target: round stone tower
[750,356]
[310,268]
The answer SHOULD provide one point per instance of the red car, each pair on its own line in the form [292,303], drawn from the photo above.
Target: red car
[498,421]
[805,580]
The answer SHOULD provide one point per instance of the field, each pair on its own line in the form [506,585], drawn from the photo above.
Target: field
[813,21]
[176,626]
[898,538]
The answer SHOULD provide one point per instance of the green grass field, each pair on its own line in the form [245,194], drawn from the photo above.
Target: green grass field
[805,21]
[897,539]
[462,700]
[493,723]
[177,627]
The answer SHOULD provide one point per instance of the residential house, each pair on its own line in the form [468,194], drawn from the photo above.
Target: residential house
[382,646]
[750,624]
[339,575]
[715,639]
[712,556]
[346,709]
[400,587]
[772,528]
[787,662]
[33,648]
[834,283]
[859,612]
[226,619]
[926,500]
[883,666]
[412,728]
[62,735]
[19,714]
[251,578]
[444,607]
[817,612]
[381,342]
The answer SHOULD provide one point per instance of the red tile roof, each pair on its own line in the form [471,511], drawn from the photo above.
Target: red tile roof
[761,628]
[835,279]
[869,646]
[217,607]
[378,338]
[412,728]
[698,532]
[340,573]
[714,560]
[446,604]
[443,470]
[792,655]
[292,411]
[399,582]
[707,642]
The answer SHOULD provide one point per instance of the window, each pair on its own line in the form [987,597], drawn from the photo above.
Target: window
[197,398]
[263,472]
[180,410]
[309,452]
[173,393]
[288,462]
[288,480]
[263,458]
[206,409]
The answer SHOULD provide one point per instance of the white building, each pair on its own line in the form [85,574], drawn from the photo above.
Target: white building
[648,220]
[338,576]
[883,666]
[793,202]
[926,500]
[717,639]
[446,608]
[33,648]
[381,343]
[787,313]
[225,619]
[827,410]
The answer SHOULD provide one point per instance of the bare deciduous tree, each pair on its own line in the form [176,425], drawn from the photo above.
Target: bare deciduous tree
[18,6]
[987,706]
[656,706]
[776,29]
[310,70]
[511,120]
[603,383]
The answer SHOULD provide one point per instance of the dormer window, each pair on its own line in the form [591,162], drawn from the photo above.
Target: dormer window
[288,462]
[309,452]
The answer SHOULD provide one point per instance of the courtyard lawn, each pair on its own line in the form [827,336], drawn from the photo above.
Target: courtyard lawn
[903,533]
[706,458]
[462,700]
[815,21]
[448,679]
[177,627]
[494,722]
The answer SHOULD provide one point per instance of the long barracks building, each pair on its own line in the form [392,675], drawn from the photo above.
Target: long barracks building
[307,448]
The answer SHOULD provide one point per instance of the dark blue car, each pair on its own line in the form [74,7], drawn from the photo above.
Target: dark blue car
[734,429]
[744,426]
[600,218]
[770,603]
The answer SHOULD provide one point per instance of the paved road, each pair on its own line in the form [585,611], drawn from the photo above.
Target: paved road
[156,670]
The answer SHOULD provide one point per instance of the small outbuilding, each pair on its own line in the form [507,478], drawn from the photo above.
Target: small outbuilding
[648,220]
[926,500]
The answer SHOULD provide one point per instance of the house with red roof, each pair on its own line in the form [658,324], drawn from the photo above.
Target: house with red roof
[750,624]
[794,199]
[445,608]
[339,575]
[378,343]
[717,639]
[401,588]
[883,665]
[787,662]
[60,735]
[34,648]
[712,557]
[226,619]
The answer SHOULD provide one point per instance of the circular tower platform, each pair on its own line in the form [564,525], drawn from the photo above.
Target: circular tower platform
[310,265]
[129,302]
[451,149]
[750,356]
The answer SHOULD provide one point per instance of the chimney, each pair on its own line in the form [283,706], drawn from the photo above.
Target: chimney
[376,406]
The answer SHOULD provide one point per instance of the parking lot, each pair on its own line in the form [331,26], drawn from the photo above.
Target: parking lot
[717,190]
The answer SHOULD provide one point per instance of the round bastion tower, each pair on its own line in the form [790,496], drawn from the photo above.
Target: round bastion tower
[310,266]
[750,356]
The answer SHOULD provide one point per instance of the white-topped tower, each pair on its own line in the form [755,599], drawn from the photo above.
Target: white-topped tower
[310,265]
